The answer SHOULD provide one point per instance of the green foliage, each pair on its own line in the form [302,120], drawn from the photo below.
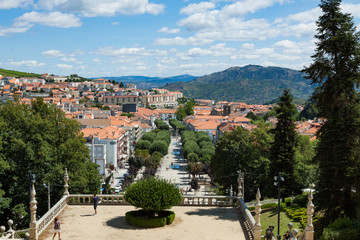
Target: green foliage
[128,114]
[254,117]
[137,161]
[192,157]
[39,138]
[342,229]
[159,146]
[305,169]
[150,136]
[161,125]
[153,195]
[140,219]
[335,69]
[12,73]
[301,200]
[283,148]
[180,113]
[177,125]
[246,151]
[143,144]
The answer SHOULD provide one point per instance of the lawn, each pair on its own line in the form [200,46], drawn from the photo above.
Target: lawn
[269,217]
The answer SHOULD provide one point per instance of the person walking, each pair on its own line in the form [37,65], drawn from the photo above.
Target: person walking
[96,201]
[57,227]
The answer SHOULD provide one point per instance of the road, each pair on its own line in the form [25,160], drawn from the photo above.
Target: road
[173,168]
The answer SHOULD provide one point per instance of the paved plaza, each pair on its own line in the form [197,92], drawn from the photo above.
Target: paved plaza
[193,223]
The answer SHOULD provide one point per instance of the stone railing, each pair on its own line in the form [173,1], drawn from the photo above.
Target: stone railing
[86,199]
[11,233]
[249,219]
[48,218]
[208,201]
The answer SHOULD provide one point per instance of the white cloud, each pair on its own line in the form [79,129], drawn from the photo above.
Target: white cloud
[8,4]
[241,8]
[167,30]
[121,52]
[30,63]
[215,50]
[182,41]
[52,53]
[354,9]
[197,7]
[115,23]
[12,30]
[68,59]
[52,19]
[92,8]
[66,66]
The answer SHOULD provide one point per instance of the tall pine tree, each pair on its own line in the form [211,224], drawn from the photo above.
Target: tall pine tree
[335,69]
[282,152]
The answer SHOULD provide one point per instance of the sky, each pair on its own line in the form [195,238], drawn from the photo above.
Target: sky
[99,38]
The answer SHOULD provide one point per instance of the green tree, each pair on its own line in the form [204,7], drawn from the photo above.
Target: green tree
[38,138]
[180,113]
[285,140]
[159,146]
[247,151]
[121,85]
[335,69]
[153,195]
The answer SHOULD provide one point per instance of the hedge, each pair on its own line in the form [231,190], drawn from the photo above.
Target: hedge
[139,218]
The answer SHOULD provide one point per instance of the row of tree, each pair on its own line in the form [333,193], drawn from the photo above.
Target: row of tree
[177,125]
[197,146]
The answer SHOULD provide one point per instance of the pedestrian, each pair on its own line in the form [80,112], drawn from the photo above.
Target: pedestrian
[287,236]
[269,233]
[57,227]
[96,201]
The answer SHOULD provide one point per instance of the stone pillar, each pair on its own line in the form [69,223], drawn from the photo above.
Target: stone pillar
[33,223]
[309,230]
[257,228]
[240,185]
[66,179]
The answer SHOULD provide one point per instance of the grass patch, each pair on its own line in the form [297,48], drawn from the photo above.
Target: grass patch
[269,217]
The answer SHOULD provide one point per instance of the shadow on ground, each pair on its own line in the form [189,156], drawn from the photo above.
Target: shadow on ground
[120,223]
[221,213]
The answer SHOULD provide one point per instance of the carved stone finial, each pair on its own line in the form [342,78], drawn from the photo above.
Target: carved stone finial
[33,207]
[66,186]
[309,230]
[2,230]
[10,231]
[240,185]
[257,228]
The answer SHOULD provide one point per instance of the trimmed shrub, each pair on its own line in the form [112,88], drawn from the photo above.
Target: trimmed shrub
[159,146]
[342,229]
[192,157]
[140,219]
[153,195]
[143,144]
[150,136]
[301,200]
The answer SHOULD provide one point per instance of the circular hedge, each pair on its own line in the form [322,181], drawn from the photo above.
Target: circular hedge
[139,218]
[153,195]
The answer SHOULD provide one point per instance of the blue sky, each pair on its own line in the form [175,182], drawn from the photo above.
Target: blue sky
[96,38]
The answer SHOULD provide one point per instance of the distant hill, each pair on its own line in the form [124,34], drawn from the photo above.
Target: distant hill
[11,73]
[143,82]
[251,84]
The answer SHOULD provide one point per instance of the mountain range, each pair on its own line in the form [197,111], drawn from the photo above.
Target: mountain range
[143,82]
[251,84]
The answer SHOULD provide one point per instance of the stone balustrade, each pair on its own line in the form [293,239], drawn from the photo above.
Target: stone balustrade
[86,199]
[48,218]
[11,233]
[253,226]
